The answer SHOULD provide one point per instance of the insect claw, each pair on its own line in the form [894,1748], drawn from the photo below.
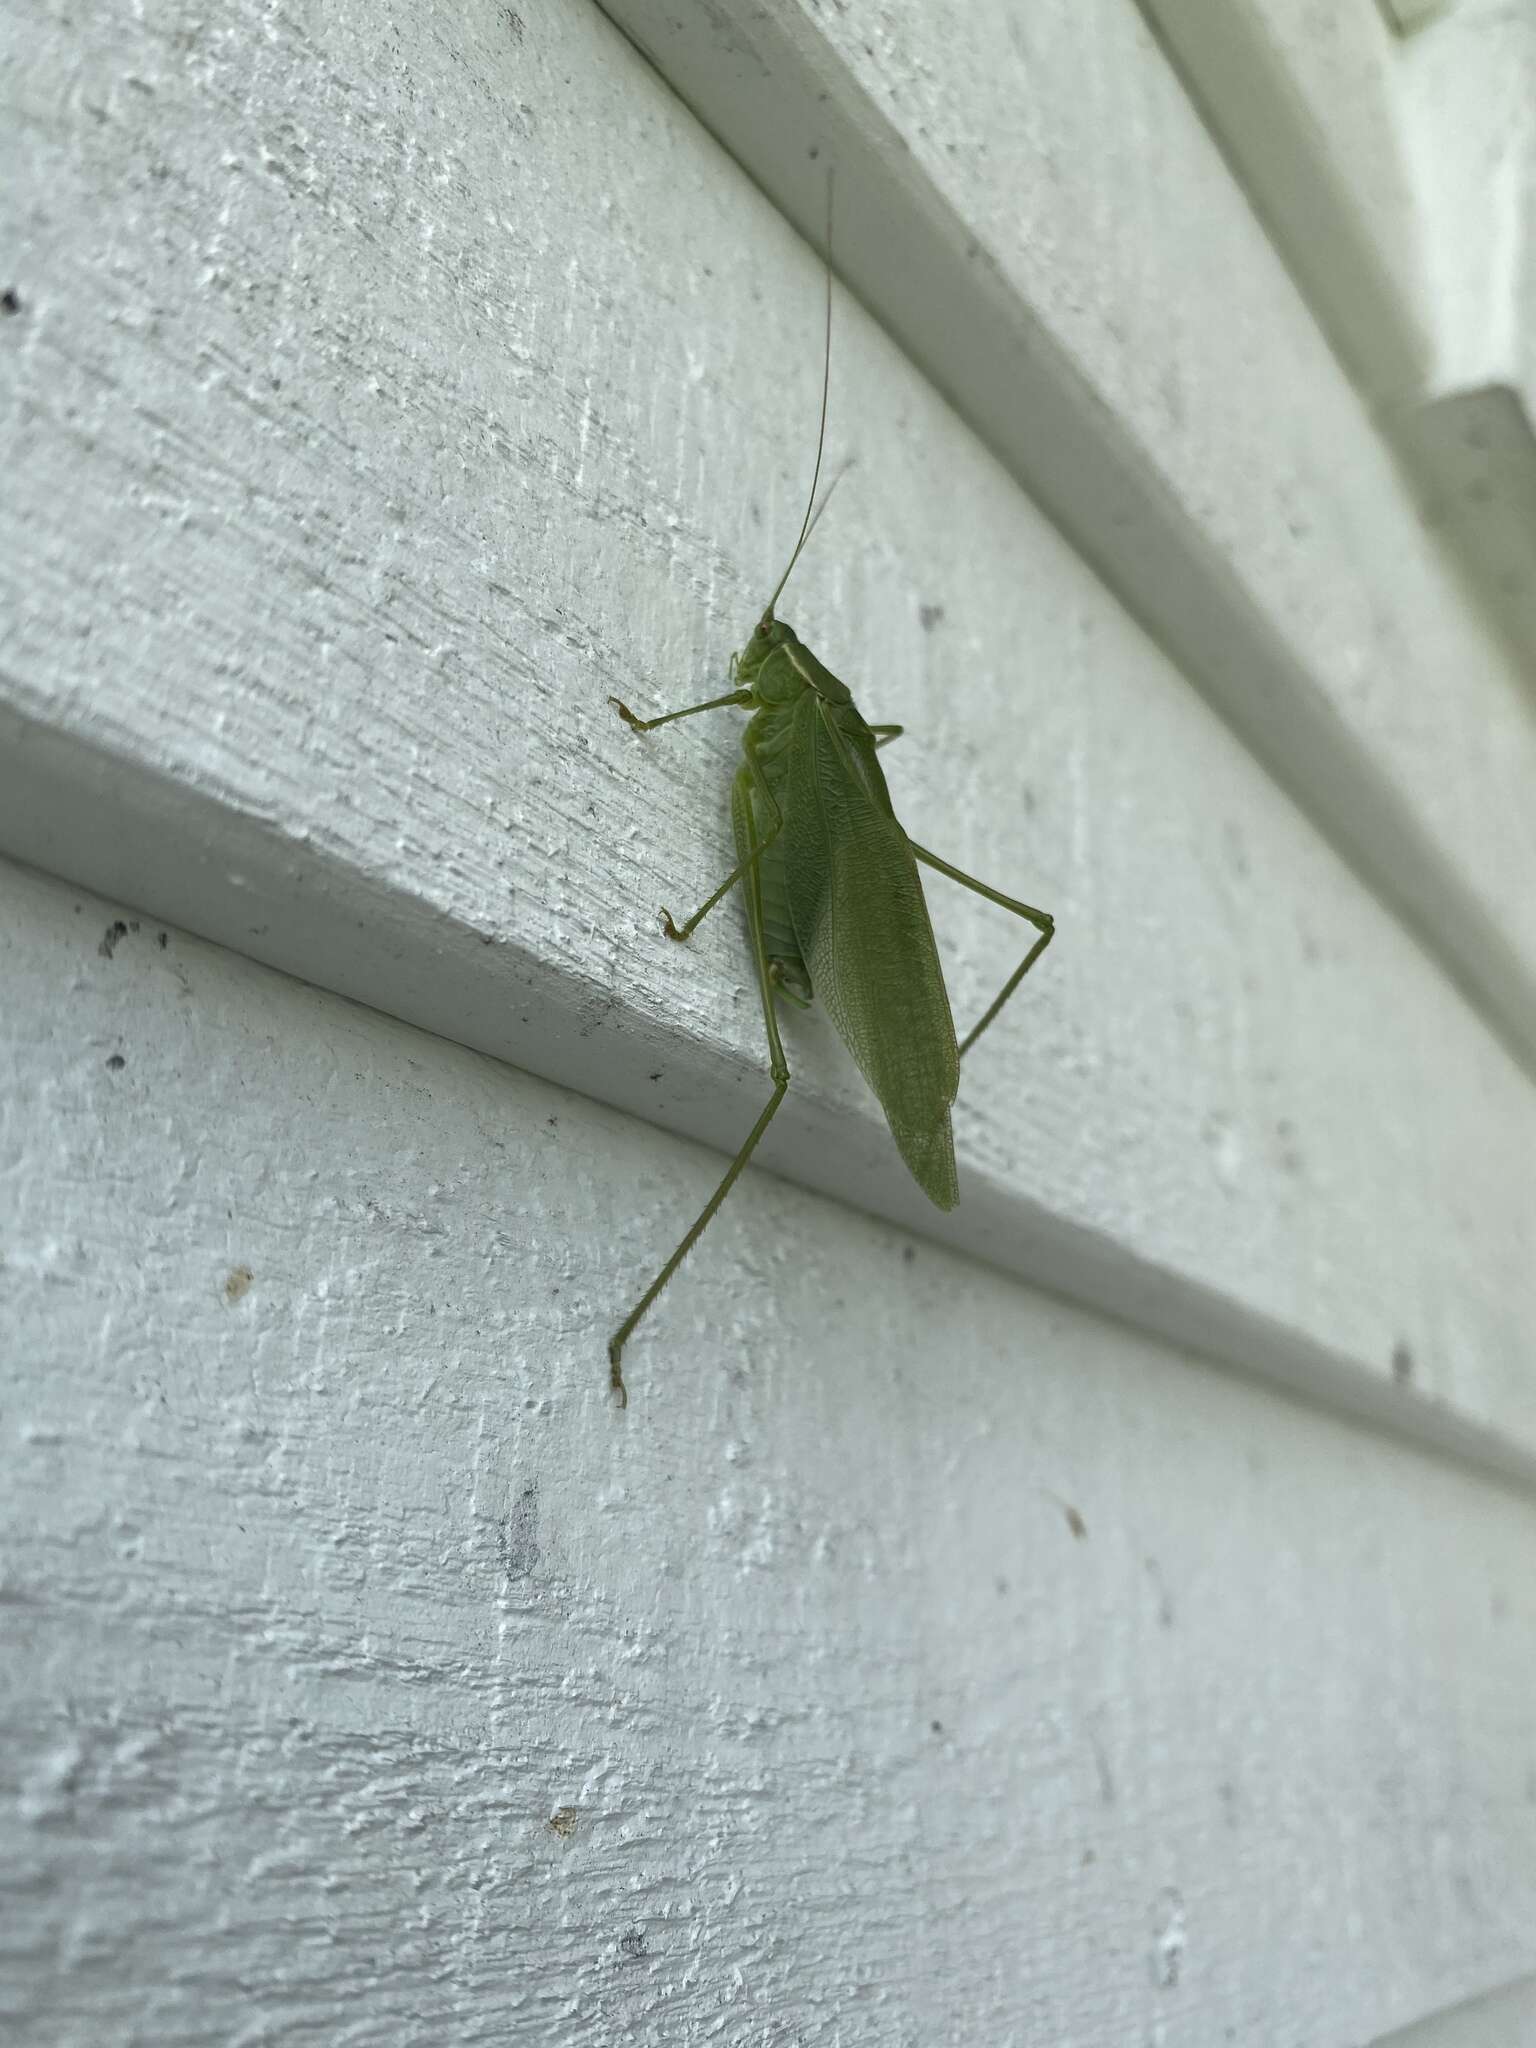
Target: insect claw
[616,1380]
[670,928]
[626,714]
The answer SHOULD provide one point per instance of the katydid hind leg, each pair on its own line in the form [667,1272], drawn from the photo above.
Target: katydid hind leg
[1042,920]
[746,834]
[884,734]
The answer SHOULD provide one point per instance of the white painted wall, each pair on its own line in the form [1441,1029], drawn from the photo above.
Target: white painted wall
[918,1659]
[1104,1614]
[1391,151]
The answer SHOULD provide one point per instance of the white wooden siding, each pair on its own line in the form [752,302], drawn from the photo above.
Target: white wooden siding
[1398,175]
[384,393]
[919,1659]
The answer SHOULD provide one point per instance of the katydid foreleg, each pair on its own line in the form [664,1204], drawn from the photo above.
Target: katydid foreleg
[738,697]
[1042,920]
[745,825]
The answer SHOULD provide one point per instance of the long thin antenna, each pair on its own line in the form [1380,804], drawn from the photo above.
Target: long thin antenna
[821,432]
[826,499]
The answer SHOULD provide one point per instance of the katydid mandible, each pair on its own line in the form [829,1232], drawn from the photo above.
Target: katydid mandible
[835,906]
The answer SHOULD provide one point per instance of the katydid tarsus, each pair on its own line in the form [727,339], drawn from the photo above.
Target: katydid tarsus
[835,906]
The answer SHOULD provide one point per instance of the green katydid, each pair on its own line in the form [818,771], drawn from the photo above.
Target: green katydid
[834,902]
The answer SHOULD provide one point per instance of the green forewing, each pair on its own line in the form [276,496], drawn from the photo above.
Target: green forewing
[859,915]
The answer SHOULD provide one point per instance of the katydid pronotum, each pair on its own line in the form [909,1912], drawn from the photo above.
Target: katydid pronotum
[835,906]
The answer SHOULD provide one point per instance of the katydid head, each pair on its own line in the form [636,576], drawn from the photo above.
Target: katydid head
[778,668]
[753,668]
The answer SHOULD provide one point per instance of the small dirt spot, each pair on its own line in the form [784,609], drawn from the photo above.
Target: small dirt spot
[238,1283]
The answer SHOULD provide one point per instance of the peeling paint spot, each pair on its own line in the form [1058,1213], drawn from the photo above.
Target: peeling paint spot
[1106,1776]
[1169,1938]
[564,1821]
[520,1547]
[1291,1160]
[634,1945]
[1165,1612]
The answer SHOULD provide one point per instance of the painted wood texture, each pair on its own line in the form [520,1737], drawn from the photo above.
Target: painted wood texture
[366,446]
[1397,175]
[1495,2021]
[1308,104]
[918,1660]
[965,1636]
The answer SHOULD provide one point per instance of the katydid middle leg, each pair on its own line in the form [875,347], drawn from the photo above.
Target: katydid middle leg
[751,846]
[1042,920]
[748,862]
